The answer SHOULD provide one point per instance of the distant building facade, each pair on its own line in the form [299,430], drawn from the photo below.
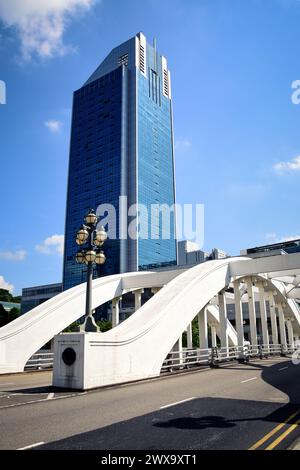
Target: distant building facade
[189,253]
[287,247]
[122,145]
[34,296]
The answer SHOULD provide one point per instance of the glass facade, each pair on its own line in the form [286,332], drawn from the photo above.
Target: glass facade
[94,168]
[155,166]
[122,145]
[34,296]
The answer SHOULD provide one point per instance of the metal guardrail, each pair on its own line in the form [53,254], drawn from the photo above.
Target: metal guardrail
[188,358]
[40,360]
[213,356]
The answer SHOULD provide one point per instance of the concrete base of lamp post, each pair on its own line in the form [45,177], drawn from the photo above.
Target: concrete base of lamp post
[82,361]
[73,366]
[89,325]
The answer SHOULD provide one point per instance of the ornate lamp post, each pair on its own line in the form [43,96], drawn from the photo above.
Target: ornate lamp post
[91,240]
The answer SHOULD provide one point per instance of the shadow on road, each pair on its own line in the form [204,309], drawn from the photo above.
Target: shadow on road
[202,423]
[197,423]
[289,384]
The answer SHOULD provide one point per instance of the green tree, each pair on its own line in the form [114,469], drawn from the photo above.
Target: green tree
[73,328]
[7,317]
[104,325]
[5,296]
[14,313]
[195,335]
[4,316]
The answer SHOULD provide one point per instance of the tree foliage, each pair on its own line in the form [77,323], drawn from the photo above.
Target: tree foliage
[6,296]
[104,325]
[7,317]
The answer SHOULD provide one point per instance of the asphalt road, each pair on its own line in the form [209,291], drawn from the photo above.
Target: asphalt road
[234,407]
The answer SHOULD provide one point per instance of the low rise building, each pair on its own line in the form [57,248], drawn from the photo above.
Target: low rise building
[34,296]
[273,249]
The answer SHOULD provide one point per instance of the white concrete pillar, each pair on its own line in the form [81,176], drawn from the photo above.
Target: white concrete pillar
[296,341]
[115,305]
[239,326]
[213,335]
[274,327]
[202,324]
[177,348]
[263,316]
[223,319]
[189,336]
[290,333]
[282,329]
[252,314]
[138,299]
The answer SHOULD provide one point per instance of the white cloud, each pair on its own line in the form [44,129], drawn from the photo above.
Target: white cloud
[53,125]
[291,165]
[6,285]
[18,255]
[183,144]
[53,244]
[41,24]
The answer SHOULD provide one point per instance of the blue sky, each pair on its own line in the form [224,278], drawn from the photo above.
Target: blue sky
[236,128]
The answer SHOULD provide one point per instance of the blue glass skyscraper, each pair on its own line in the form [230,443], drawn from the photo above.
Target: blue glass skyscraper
[122,145]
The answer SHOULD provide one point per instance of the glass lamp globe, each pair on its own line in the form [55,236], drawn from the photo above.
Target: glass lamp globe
[82,236]
[101,235]
[80,257]
[98,242]
[91,218]
[100,257]
[90,256]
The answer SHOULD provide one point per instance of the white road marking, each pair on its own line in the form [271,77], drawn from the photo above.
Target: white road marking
[248,380]
[283,368]
[38,401]
[50,396]
[23,394]
[32,445]
[177,403]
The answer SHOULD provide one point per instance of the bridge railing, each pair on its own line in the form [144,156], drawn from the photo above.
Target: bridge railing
[40,360]
[212,356]
[188,357]
[265,350]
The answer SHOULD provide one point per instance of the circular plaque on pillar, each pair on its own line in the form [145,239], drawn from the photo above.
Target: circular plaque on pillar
[69,356]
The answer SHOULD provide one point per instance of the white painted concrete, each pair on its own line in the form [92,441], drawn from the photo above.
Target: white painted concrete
[137,347]
[252,313]
[203,328]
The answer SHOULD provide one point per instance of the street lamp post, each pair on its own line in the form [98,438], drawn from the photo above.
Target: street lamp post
[91,240]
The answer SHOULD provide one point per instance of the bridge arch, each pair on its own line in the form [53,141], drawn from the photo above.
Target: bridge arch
[138,346]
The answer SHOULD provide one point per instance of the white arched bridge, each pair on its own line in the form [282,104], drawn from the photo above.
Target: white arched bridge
[150,340]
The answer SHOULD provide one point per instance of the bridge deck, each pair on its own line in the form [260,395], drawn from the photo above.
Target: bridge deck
[229,408]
